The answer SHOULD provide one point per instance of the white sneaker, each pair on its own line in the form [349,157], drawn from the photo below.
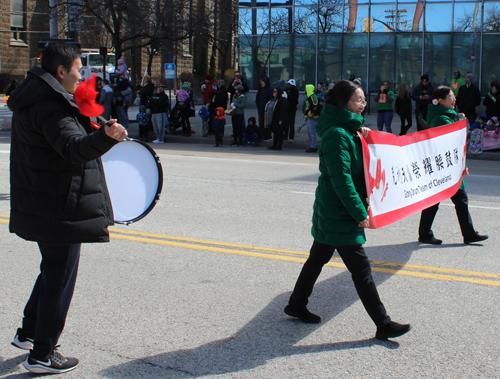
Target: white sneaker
[291,141]
[268,140]
[157,141]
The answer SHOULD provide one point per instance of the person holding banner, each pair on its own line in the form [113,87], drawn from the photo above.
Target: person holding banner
[340,209]
[441,112]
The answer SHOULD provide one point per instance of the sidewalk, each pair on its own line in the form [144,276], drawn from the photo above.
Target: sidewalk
[300,139]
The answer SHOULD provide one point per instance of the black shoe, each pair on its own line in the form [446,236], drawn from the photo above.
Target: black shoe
[392,330]
[234,144]
[277,148]
[303,314]
[52,363]
[475,238]
[22,340]
[312,150]
[430,240]
[270,148]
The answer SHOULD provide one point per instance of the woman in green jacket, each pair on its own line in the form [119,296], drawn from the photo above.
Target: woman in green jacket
[340,209]
[441,112]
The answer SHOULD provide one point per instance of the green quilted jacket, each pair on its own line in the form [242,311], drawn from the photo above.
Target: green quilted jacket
[438,115]
[340,203]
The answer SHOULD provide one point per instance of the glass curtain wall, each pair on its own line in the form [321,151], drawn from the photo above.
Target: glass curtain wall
[323,41]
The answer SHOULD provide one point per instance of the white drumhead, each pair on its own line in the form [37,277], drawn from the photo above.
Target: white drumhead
[132,175]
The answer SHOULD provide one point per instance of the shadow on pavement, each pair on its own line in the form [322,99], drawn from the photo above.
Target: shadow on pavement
[10,366]
[270,334]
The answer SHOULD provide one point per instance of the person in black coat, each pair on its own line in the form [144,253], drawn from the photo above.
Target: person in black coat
[147,91]
[492,100]
[59,196]
[402,107]
[264,94]
[220,97]
[469,98]
[422,95]
[280,119]
[293,100]
[237,81]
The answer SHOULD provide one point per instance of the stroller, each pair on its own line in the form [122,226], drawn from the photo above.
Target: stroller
[205,116]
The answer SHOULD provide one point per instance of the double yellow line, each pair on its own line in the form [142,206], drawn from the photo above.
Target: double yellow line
[393,268]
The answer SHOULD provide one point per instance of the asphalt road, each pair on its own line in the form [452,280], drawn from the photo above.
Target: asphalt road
[197,288]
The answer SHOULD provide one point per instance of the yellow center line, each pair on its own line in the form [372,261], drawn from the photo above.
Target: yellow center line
[407,266]
[404,269]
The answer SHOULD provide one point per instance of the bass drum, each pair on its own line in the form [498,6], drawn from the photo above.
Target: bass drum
[134,177]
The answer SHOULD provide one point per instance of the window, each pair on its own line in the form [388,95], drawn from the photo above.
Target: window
[438,17]
[281,20]
[355,56]
[381,59]
[491,63]
[329,58]
[356,18]
[408,59]
[437,58]
[330,20]
[304,61]
[306,20]
[464,20]
[491,22]
[17,20]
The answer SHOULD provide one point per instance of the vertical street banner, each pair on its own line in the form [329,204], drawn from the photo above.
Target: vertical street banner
[407,174]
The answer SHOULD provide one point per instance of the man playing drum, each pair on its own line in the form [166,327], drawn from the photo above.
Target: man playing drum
[54,161]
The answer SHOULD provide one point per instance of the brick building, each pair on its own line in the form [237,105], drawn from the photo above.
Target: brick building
[23,23]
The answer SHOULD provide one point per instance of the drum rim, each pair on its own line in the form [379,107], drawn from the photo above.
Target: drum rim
[158,190]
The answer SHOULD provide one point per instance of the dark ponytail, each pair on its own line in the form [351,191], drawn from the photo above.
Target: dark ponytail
[341,93]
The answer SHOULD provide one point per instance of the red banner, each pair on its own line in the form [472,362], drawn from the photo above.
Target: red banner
[407,174]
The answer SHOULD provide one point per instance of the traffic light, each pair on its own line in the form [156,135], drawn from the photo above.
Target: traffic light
[368,24]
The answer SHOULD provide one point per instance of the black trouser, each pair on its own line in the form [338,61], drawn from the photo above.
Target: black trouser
[184,115]
[218,138]
[265,133]
[471,117]
[238,121]
[461,208]
[357,263]
[46,310]
[278,139]
[290,130]
[405,128]
[143,131]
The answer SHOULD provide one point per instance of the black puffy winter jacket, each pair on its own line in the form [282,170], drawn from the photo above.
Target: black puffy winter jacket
[58,190]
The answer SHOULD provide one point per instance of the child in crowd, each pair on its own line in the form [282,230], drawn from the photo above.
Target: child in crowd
[480,123]
[476,134]
[219,125]
[251,132]
[143,122]
[492,126]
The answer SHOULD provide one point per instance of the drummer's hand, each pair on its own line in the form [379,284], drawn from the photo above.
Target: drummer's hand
[115,130]
[365,131]
[466,172]
[365,223]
